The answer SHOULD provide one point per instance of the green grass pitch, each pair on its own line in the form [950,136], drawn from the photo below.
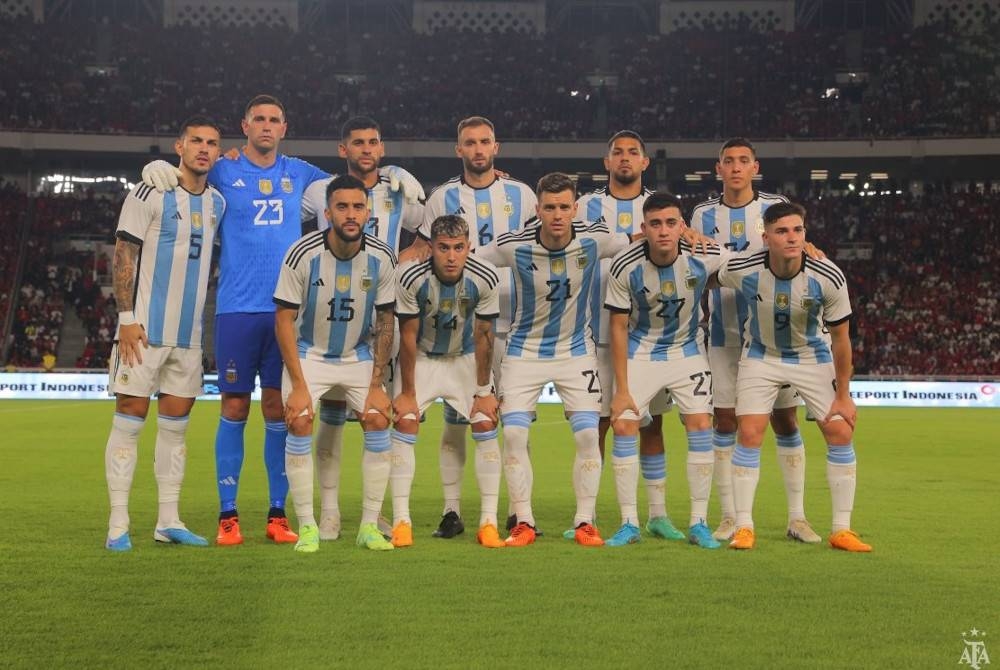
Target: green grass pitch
[927,501]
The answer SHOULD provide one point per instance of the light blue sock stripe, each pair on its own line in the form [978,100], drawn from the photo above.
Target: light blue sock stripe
[231,422]
[298,445]
[625,446]
[700,440]
[840,455]
[378,441]
[584,420]
[488,435]
[723,440]
[174,419]
[333,416]
[516,419]
[275,426]
[404,437]
[128,417]
[745,457]
[790,440]
[654,466]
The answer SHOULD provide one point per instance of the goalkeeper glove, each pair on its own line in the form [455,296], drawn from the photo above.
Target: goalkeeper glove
[401,180]
[161,175]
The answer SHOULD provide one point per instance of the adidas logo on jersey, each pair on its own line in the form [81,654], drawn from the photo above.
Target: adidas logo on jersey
[759,299]
[319,282]
[599,219]
[460,210]
[715,231]
[177,216]
[239,183]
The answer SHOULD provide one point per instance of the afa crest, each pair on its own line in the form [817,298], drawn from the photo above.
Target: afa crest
[737,228]
[558,266]
[808,301]
[265,186]
[196,220]
[581,261]
[667,287]
[483,210]
[508,208]
[625,221]
[366,282]
[760,225]
[231,375]
[343,283]
[286,184]
[388,205]
[781,300]
[463,303]
[690,281]
[123,378]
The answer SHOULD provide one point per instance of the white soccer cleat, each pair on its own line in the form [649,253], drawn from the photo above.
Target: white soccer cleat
[329,527]
[725,531]
[800,531]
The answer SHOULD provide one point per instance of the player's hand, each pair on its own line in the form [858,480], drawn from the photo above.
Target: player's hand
[131,341]
[488,405]
[405,403]
[699,243]
[161,175]
[622,402]
[500,174]
[299,402]
[846,409]
[814,252]
[400,179]
[415,254]
[234,153]
[377,400]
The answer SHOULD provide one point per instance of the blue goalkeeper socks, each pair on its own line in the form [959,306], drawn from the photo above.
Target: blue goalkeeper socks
[228,461]
[275,433]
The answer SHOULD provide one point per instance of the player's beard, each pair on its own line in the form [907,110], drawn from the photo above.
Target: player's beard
[470,167]
[339,232]
[626,179]
[355,168]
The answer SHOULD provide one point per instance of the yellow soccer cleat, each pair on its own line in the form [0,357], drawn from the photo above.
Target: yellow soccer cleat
[743,539]
[848,540]
[489,537]
[402,535]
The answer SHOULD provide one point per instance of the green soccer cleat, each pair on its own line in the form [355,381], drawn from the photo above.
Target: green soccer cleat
[308,542]
[369,536]
[660,526]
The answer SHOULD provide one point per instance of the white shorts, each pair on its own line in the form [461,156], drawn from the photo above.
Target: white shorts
[350,381]
[170,370]
[725,363]
[576,380]
[451,378]
[760,383]
[661,404]
[337,394]
[687,380]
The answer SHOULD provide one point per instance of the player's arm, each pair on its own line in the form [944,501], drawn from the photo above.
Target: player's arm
[299,400]
[416,252]
[485,400]
[124,267]
[621,400]
[843,367]
[700,243]
[406,402]
[378,398]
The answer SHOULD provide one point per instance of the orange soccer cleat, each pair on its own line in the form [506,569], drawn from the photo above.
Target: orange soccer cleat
[743,538]
[489,537]
[521,536]
[848,540]
[586,534]
[229,532]
[402,534]
[278,530]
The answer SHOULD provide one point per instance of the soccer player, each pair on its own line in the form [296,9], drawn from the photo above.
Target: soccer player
[791,297]
[736,219]
[446,307]
[331,283]
[555,264]
[264,190]
[391,213]
[161,269]
[492,205]
[654,299]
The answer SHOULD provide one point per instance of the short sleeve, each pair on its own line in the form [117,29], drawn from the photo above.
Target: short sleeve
[288,292]
[618,297]
[314,203]
[140,209]
[385,294]
[406,298]
[489,302]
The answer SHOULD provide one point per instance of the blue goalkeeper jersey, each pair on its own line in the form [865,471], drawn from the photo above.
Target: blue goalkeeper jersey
[262,220]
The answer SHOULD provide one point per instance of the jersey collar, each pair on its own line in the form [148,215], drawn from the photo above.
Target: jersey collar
[802,267]
[722,201]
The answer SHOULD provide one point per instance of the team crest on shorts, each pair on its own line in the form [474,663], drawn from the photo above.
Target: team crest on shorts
[446,305]
[231,375]
[196,220]
[366,282]
[781,300]
[625,221]
[483,210]
[558,266]
[123,378]
[286,184]
[667,287]
[265,186]
[343,283]
[737,228]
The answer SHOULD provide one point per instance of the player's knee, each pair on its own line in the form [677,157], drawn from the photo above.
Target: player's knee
[236,407]
[784,421]
[132,405]
[654,428]
[837,432]
[271,405]
[301,426]
[374,421]
[697,422]
[725,419]
[751,435]
[625,427]
[407,426]
[484,427]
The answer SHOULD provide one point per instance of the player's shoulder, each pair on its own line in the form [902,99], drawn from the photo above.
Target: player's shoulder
[483,270]
[377,247]
[293,164]
[706,205]
[749,262]
[590,195]
[591,229]
[627,258]
[768,199]
[514,181]
[411,275]
[305,247]
[825,268]
[145,194]
[439,190]
[707,251]
[526,234]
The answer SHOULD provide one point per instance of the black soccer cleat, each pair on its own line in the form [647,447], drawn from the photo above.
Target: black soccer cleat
[450,526]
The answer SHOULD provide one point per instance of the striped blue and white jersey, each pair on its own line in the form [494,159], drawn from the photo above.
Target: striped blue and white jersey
[176,230]
[336,298]
[620,216]
[553,288]
[447,312]
[502,207]
[786,316]
[262,221]
[663,302]
[737,229]
[389,211]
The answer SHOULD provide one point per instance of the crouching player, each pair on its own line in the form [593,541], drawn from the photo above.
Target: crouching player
[331,282]
[446,307]
[791,296]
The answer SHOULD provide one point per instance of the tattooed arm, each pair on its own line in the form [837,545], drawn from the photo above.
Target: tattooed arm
[131,335]
[378,399]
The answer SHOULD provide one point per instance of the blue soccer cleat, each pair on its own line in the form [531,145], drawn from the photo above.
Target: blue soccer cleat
[179,536]
[627,534]
[699,535]
[120,543]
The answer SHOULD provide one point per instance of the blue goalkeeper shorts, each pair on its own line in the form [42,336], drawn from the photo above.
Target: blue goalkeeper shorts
[245,346]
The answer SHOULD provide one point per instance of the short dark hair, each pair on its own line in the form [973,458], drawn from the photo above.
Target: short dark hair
[198,121]
[345,182]
[555,182]
[358,123]
[263,99]
[660,200]
[627,133]
[474,121]
[449,225]
[783,209]
[738,142]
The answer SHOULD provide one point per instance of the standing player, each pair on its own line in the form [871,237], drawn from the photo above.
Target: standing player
[654,296]
[330,285]
[619,207]
[735,219]
[555,265]
[493,205]
[791,297]
[446,307]
[264,190]
[161,301]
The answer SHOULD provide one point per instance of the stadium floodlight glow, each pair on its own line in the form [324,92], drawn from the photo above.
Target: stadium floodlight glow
[703,173]
[866,185]
[848,175]
[692,177]
[574,93]
[850,186]
[758,177]
[879,175]
[818,175]
[599,177]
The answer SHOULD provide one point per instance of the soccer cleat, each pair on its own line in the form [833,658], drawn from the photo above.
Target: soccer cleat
[848,540]
[800,531]
[308,539]
[180,535]
[329,527]
[587,535]
[370,537]
[384,527]
[402,534]
[627,534]
[489,537]
[569,534]
[743,538]
[450,526]
[521,536]
[661,526]
[229,532]
[278,530]
[121,543]
[511,522]
[724,532]
[699,535]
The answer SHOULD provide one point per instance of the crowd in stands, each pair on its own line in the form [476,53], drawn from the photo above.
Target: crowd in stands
[693,84]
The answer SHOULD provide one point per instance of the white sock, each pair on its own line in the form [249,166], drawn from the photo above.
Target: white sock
[452,465]
[517,464]
[329,446]
[746,473]
[625,463]
[841,474]
[169,460]
[488,475]
[299,470]
[401,475]
[586,465]
[654,473]
[120,457]
[792,457]
[375,467]
[700,462]
[723,472]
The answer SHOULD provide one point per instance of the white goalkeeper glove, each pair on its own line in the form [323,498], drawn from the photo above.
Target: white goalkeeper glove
[161,175]
[401,180]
